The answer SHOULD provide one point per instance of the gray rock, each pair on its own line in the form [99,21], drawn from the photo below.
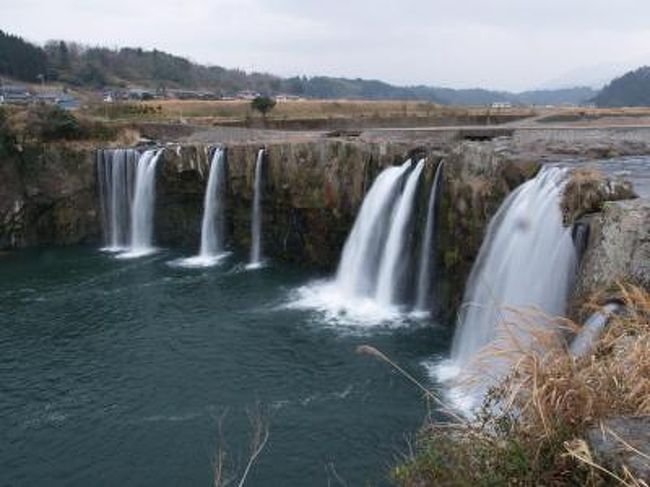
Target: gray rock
[618,249]
[607,442]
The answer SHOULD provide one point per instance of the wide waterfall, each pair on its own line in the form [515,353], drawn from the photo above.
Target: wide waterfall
[426,272]
[369,288]
[357,271]
[522,275]
[393,262]
[212,249]
[256,222]
[127,186]
[116,180]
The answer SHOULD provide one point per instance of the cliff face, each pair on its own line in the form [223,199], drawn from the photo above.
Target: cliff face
[477,178]
[312,191]
[618,249]
[47,197]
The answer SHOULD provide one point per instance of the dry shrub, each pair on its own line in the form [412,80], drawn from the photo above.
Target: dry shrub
[531,428]
[588,189]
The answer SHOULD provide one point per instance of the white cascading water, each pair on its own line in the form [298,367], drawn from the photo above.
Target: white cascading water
[256,222]
[116,180]
[592,329]
[142,210]
[394,260]
[357,271]
[213,223]
[212,249]
[527,262]
[426,272]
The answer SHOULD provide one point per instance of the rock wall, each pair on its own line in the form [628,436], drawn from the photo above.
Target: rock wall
[618,249]
[47,196]
[477,178]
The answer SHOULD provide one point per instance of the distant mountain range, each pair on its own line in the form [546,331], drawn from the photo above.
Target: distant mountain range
[99,68]
[631,89]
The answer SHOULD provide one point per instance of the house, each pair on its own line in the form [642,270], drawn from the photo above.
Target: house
[248,95]
[501,104]
[15,94]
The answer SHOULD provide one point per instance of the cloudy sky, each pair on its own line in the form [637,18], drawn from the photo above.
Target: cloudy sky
[504,44]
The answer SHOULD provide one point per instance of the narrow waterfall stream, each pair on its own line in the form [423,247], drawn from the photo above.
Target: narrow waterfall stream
[143,205]
[256,222]
[426,271]
[212,248]
[394,260]
[525,266]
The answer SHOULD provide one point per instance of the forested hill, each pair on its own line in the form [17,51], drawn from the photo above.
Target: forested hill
[97,67]
[631,89]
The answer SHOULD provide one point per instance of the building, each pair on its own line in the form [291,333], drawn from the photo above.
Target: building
[15,94]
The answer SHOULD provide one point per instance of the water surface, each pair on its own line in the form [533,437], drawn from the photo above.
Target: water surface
[116,372]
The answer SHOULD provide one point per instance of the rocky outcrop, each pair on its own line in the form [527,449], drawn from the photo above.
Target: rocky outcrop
[618,249]
[587,190]
[47,196]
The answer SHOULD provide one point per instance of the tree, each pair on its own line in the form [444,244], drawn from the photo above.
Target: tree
[263,104]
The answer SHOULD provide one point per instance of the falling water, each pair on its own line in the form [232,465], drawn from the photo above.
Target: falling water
[356,275]
[592,329]
[526,261]
[256,223]
[426,268]
[213,224]
[116,180]
[394,260]
[143,204]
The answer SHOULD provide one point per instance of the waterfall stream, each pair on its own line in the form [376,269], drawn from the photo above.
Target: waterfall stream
[426,272]
[524,269]
[127,186]
[394,260]
[256,222]
[212,249]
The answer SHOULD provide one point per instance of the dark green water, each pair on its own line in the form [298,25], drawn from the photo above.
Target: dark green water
[115,372]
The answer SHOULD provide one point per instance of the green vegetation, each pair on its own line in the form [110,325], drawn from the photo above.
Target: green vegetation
[20,59]
[631,89]
[263,104]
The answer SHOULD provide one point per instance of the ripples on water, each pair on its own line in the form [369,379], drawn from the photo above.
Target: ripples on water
[116,372]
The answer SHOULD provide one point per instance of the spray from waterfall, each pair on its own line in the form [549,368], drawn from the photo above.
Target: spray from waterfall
[395,259]
[426,270]
[256,221]
[527,261]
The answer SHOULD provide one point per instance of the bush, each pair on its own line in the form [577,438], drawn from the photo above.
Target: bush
[527,432]
[51,122]
[263,104]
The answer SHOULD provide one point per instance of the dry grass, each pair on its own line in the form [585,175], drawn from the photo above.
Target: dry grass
[586,191]
[532,427]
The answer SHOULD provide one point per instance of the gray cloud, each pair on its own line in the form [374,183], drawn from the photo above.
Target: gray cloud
[509,44]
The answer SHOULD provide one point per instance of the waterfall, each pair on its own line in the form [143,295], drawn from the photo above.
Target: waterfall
[212,249]
[426,272]
[356,275]
[394,260]
[143,204]
[115,181]
[256,222]
[527,261]
[213,224]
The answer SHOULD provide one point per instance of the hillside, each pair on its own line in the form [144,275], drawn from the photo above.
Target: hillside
[98,67]
[631,89]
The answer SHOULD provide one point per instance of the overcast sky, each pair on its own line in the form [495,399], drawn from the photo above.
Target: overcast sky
[504,44]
